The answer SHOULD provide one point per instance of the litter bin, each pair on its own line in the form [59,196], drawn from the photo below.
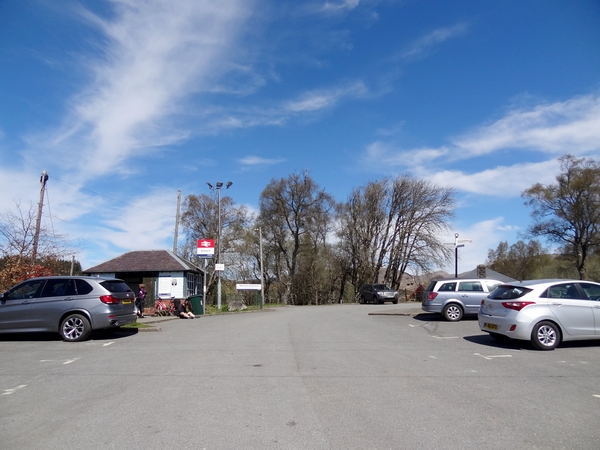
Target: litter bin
[197,304]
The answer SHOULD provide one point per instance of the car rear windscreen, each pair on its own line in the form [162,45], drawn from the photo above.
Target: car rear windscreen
[115,286]
[508,292]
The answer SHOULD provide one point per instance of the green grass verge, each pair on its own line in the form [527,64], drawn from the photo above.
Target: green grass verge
[137,325]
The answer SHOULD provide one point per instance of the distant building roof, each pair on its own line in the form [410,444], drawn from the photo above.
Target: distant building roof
[145,261]
[489,273]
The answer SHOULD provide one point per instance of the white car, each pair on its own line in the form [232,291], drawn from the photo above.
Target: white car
[545,312]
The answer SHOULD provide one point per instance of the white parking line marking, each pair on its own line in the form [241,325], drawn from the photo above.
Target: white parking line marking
[445,337]
[596,395]
[12,391]
[107,344]
[492,356]
[68,361]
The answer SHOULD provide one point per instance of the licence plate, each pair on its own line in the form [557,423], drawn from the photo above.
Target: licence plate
[490,326]
[126,302]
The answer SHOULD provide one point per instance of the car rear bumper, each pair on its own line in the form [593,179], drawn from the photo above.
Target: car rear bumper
[113,320]
[503,325]
[431,308]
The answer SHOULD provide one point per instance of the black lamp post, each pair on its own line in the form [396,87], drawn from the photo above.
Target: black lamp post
[218,187]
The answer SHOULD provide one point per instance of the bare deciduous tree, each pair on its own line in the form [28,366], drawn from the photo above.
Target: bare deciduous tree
[394,225]
[17,234]
[294,215]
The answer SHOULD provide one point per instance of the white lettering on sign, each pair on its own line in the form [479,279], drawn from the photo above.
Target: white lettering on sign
[247,287]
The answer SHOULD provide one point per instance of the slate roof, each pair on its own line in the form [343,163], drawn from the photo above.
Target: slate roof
[489,273]
[145,261]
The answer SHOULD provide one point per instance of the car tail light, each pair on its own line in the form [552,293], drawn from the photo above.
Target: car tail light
[431,295]
[517,306]
[109,299]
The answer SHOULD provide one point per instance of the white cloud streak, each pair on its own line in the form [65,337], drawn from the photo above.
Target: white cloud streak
[344,5]
[258,161]
[423,46]
[306,104]
[572,126]
[550,128]
[155,52]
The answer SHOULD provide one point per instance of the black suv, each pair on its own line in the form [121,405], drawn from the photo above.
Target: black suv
[377,293]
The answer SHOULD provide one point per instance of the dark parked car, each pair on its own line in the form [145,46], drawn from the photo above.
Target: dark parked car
[73,306]
[377,293]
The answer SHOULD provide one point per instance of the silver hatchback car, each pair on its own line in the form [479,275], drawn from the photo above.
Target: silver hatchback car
[544,312]
[73,306]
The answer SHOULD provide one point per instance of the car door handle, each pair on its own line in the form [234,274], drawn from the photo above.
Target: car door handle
[69,298]
[557,304]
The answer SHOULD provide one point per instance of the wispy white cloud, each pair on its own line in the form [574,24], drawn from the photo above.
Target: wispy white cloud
[423,46]
[485,235]
[306,104]
[154,53]
[133,226]
[258,161]
[343,5]
[500,181]
[321,99]
[572,126]
[554,128]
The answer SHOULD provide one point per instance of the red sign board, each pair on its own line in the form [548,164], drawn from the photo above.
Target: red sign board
[206,248]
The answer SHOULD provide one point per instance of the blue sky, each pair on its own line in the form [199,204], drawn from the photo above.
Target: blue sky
[126,102]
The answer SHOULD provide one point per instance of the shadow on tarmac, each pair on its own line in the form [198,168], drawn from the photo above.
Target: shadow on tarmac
[100,335]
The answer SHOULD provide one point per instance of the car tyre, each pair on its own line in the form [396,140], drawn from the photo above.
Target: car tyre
[545,336]
[362,300]
[75,328]
[452,312]
[395,302]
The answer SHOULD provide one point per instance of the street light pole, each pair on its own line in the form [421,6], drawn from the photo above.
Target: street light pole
[458,243]
[218,186]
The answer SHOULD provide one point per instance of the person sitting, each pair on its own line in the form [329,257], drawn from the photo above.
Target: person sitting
[181,309]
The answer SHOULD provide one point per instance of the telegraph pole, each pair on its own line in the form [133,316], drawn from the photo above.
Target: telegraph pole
[38,222]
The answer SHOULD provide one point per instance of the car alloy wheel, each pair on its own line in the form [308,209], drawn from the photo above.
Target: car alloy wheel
[545,336]
[453,312]
[75,327]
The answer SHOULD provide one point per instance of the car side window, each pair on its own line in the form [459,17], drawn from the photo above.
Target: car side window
[83,287]
[565,291]
[592,290]
[470,286]
[25,290]
[58,288]
[447,287]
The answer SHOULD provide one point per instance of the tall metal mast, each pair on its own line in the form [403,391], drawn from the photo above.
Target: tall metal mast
[38,222]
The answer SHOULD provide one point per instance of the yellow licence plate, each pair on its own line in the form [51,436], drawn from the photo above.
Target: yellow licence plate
[126,302]
[491,326]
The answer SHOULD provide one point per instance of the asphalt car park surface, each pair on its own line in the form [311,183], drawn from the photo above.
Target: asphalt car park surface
[326,377]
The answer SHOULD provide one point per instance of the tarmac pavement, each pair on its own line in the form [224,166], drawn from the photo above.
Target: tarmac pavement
[410,309]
